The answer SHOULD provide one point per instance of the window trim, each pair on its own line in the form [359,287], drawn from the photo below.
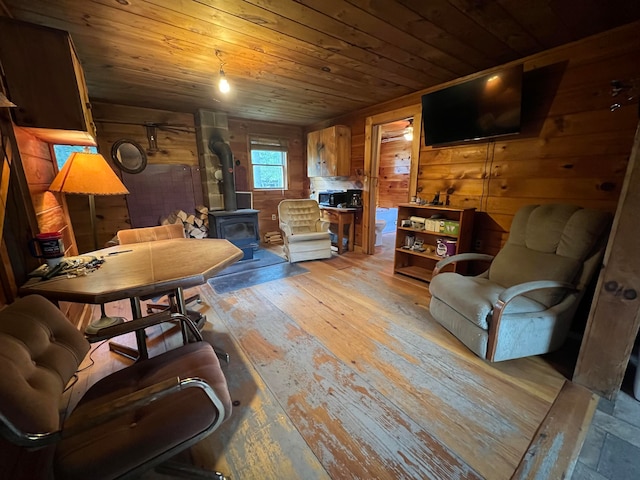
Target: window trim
[269,143]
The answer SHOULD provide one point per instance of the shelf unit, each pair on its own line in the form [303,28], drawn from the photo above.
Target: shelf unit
[417,264]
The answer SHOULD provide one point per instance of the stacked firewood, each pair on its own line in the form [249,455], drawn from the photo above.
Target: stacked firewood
[273,238]
[196,225]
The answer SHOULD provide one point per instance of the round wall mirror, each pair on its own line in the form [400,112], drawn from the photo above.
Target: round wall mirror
[129,156]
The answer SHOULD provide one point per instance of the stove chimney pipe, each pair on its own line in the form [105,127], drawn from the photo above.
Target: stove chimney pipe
[218,146]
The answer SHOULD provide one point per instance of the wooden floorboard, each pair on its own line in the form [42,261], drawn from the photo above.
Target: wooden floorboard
[342,373]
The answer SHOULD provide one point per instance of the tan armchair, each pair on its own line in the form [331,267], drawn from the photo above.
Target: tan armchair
[127,422]
[306,235]
[524,303]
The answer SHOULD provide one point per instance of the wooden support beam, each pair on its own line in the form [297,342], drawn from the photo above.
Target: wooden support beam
[613,320]
[555,448]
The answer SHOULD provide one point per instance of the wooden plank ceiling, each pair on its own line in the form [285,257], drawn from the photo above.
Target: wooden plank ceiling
[300,62]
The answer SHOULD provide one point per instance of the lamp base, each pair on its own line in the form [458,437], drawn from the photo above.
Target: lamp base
[103,322]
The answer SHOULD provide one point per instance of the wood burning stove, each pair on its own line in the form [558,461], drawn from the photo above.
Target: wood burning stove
[240,227]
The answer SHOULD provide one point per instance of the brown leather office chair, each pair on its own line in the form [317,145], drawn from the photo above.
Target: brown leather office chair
[162,232]
[127,422]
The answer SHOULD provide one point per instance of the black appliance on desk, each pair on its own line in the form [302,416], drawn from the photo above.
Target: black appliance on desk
[332,198]
[354,198]
[340,198]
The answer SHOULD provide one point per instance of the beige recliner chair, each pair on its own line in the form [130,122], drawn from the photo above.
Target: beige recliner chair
[524,303]
[306,235]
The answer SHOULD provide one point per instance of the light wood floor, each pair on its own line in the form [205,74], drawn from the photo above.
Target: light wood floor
[341,373]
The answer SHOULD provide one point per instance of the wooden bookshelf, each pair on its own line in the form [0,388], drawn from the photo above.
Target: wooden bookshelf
[420,264]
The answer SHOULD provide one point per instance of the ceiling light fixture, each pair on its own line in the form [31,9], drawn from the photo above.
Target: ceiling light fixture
[408,132]
[223,83]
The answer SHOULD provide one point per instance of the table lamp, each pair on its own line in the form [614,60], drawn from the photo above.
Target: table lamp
[86,173]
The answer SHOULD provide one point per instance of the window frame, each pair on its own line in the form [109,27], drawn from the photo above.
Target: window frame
[273,144]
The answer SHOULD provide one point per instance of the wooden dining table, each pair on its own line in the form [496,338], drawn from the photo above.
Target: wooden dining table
[141,270]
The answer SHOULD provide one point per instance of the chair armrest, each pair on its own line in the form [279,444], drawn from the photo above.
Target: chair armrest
[512,292]
[142,323]
[322,226]
[461,257]
[509,294]
[286,229]
[25,439]
[97,412]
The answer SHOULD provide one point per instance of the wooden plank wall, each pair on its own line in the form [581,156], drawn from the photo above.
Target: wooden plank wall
[267,201]
[7,147]
[178,146]
[572,149]
[40,169]
[393,180]
[115,122]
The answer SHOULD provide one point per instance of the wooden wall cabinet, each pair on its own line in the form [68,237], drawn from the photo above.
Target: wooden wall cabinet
[44,77]
[329,152]
[420,264]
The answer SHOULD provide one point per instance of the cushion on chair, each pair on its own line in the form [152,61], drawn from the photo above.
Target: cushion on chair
[548,242]
[307,237]
[301,216]
[150,234]
[517,264]
[115,447]
[474,297]
[40,350]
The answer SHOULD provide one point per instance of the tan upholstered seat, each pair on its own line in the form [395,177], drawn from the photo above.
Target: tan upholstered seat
[40,351]
[150,234]
[306,235]
[524,303]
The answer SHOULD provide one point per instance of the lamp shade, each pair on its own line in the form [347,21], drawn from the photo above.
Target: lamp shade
[88,174]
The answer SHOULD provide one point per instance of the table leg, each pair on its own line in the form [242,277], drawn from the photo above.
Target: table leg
[340,233]
[182,308]
[132,353]
[352,220]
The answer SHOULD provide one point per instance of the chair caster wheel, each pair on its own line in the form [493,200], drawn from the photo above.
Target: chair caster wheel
[224,356]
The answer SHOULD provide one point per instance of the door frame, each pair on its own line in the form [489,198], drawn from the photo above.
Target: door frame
[373,135]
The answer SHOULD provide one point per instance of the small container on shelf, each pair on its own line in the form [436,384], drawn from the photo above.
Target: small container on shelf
[446,248]
[417,222]
[450,227]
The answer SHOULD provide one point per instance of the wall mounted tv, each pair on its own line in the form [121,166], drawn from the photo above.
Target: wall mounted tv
[484,107]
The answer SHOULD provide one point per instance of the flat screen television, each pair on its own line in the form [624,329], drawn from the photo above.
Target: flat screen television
[485,107]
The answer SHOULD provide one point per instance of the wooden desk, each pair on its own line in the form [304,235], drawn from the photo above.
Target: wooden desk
[142,269]
[341,217]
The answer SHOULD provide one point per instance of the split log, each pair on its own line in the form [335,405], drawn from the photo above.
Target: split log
[196,225]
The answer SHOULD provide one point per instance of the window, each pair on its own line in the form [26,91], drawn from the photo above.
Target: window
[269,163]
[63,152]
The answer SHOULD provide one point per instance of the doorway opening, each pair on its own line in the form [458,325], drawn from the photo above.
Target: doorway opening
[391,165]
[394,169]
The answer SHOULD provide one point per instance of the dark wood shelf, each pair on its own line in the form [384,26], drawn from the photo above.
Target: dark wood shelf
[428,232]
[420,265]
[415,272]
[432,256]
